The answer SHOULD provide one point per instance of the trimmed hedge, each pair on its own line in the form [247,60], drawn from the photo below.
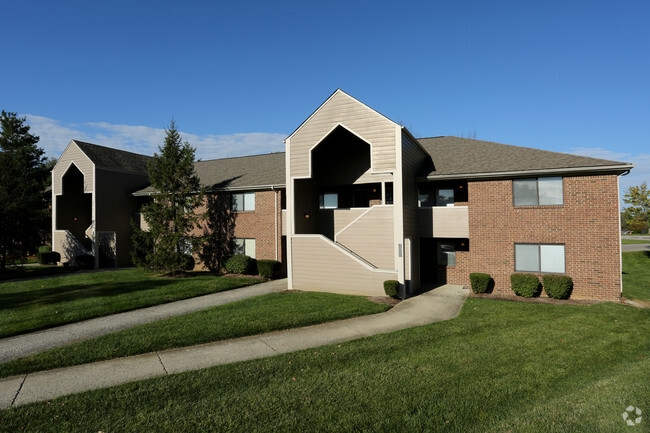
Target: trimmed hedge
[85,261]
[481,283]
[41,250]
[47,258]
[557,286]
[240,264]
[268,268]
[391,287]
[526,285]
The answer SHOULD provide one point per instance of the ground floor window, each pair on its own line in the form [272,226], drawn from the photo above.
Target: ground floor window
[446,253]
[244,246]
[540,258]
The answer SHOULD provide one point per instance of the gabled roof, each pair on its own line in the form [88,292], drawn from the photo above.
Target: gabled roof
[114,159]
[336,92]
[243,172]
[464,157]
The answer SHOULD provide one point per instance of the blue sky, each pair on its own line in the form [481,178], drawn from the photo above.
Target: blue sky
[238,77]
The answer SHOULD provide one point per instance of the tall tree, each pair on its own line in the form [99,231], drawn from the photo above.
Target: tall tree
[637,215]
[218,230]
[23,177]
[171,215]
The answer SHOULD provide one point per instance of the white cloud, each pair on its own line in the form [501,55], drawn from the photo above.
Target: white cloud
[55,136]
[639,174]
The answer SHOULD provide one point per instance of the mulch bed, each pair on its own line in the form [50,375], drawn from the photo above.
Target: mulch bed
[384,300]
[538,300]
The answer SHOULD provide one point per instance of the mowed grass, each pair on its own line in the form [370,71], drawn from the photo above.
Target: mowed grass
[636,275]
[635,241]
[27,306]
[498,367]
[253,316]
[22,272]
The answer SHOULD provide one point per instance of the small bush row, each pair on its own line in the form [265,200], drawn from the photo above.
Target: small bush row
[526,285]
[241,264]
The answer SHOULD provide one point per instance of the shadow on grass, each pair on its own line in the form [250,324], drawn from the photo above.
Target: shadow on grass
[71,292]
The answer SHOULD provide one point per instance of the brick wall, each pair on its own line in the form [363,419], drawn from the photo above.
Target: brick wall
[587,224]
[260,225]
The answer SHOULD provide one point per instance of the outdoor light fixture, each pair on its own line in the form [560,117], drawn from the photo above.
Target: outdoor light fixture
[306,216]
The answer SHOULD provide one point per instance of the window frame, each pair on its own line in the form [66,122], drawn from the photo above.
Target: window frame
[539,258]
[321,201]
[245,241]
[244,201]
[537,193]
[441,253]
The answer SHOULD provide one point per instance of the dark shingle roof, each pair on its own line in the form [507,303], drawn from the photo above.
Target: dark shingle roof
[239,172]
[453,155]
[114,159]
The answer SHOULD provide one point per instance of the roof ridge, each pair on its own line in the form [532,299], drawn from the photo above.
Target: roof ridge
[241,156]
[112,149]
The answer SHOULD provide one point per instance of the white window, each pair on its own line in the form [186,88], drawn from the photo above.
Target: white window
[446,254]
[244,246]
[539,258]
[243,201]
[329,201]
[543,191]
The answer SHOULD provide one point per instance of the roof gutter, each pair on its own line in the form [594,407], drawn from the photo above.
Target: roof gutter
[506,174]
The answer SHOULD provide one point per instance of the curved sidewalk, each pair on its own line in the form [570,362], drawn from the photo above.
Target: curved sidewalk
[436,305]
[26,344]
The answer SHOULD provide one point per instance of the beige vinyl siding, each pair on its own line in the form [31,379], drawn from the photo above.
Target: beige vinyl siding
[319,265]
[412,157]
[117,207]
[64,243]
[371,237]
[444,222]
[360,119]
[343,217]
[284,222]
[73,154]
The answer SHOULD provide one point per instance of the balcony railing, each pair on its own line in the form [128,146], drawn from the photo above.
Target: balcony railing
[444,222]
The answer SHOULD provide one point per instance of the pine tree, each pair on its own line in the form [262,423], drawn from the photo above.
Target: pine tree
[171,214]
[23,178]
[218,231]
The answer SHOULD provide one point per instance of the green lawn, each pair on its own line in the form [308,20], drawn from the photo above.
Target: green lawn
[636,275]
[253,316]
[634,241]
[16,272]
[499,367]
[27,306]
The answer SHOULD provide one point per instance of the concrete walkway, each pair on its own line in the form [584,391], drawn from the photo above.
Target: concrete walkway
[436,305]
[26,344]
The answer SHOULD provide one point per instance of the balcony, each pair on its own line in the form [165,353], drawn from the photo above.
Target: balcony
[444,222]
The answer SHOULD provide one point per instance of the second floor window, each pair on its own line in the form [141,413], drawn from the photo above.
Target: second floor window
[243,202]
[329,201]
[542,191]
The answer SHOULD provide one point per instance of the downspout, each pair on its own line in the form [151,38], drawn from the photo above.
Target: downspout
[620,246]
[275,198]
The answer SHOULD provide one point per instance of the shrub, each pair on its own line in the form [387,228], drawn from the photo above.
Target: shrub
[526,285]
[268,268]
[481,283]
[391,287]
[85,261]
[187,262]
[51,257]
[557,286]
[43,249]
[240,264]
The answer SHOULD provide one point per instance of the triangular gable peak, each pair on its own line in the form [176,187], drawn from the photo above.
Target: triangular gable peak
[342,110]
[73,155]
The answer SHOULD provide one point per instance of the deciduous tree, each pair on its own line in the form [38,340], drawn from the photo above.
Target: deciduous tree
[637,215]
